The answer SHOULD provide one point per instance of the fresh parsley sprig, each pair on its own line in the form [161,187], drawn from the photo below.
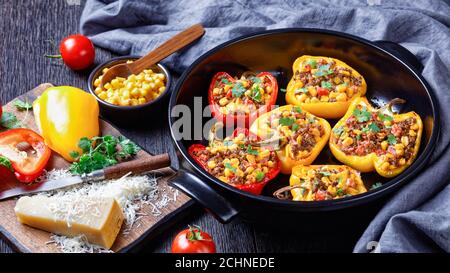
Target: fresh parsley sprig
[22,105]
[102,152]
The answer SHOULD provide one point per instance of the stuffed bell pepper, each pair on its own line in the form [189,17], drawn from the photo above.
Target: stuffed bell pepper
[324,86]
[240,101]
[297,135]
[370,139]
[238,160]
[324,182]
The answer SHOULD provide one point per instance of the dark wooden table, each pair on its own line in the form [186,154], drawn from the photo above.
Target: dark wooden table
[26,27]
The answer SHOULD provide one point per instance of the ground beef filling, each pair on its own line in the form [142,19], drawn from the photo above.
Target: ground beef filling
[366,132]
[324,81]
[299,129]
[242,96]
[325,183]
[237,162]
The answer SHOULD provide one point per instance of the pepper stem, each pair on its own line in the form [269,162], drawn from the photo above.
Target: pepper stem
[195,234]
[212,137]
[391,103]
[53,56]
[281,193]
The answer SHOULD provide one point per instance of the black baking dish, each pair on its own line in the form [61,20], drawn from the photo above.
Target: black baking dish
[390,71]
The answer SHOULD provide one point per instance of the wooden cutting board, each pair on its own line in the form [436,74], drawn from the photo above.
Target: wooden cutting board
[27,239]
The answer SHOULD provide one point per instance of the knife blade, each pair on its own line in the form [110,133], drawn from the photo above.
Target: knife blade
[41,187]
[140,166]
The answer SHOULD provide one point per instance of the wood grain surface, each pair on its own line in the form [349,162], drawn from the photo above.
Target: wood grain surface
[27,25]
[28,239]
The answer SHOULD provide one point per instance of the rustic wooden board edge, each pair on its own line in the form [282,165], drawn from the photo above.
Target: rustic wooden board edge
[12,242]
[159,227]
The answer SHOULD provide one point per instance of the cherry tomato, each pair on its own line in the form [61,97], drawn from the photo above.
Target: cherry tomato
[193,240]
[77,52]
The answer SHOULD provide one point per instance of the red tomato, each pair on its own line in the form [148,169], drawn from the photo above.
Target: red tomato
[193,240]
[77,51]
[320,195]
[322,91]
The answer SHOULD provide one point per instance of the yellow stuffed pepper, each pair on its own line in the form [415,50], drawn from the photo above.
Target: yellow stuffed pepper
[64,115]
[324,86]
[369,139]
[298,136]
[324,182]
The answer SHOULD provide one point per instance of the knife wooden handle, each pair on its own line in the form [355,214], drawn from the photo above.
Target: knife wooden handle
[137,166]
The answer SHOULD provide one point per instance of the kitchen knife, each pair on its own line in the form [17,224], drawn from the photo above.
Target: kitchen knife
[137,166]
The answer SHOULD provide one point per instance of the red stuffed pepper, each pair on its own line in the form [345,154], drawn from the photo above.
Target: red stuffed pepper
[24,152]
[240,101]
[239,161]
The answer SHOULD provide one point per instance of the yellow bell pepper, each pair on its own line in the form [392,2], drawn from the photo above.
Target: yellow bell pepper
[64,115]
[369,139]
[330,87]
[323,182]
[290,125]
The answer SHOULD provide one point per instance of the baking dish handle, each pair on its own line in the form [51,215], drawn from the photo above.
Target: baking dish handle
[198,190]
[402,53]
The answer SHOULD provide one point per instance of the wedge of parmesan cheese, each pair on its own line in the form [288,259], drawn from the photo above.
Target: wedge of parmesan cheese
[99,219]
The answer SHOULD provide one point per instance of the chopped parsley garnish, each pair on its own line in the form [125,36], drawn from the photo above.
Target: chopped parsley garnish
[384,117]
[338,131]
[323,70]
[391,139]
[251,151]
[283,90]
[374,128]
[238,90]
[358,137]
[312,63]
[255,80]
[286,121]
[362,115]
[326,85]
[297,109]
[311,120]
[22,105]
[256,94]
[340,192]
[325,173]
[259,176]
[295,127]
[10,121]
[225,81]
[301,90]
[5,162]
[230,167]
[365,130]
[102,152]
[376,185]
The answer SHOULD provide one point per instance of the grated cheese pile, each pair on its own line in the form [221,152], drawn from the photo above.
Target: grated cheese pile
[129,191]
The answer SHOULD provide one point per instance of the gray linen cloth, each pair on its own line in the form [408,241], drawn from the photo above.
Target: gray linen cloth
[417,218]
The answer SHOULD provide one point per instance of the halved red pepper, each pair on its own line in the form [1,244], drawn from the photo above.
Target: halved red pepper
[255,188]
[26,151]
[240,119]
